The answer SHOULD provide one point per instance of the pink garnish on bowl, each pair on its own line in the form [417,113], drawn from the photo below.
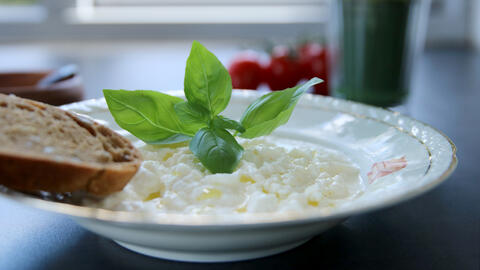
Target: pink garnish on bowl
[380,169]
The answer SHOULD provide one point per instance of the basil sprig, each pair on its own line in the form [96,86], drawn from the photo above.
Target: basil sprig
[158,118]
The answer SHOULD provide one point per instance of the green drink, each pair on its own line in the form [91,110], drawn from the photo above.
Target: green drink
[374,42]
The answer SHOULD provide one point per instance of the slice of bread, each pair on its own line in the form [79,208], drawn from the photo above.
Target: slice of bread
[45,148]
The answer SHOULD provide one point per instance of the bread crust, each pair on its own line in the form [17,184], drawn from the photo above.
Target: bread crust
[31,172]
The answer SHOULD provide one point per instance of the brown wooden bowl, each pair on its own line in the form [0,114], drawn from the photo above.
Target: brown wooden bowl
[24,84]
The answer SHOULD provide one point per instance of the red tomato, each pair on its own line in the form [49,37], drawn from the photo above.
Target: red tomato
[245,71]
[312,58]
[282,71]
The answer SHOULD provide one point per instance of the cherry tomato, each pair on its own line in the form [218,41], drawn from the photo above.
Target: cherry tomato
[245,71]
[312,58]
[282,71]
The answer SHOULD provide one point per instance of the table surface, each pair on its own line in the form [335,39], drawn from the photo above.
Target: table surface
[439,230]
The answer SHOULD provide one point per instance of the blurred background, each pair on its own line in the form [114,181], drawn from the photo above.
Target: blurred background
[143,44]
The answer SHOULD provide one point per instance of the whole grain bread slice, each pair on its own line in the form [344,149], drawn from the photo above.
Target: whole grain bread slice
[45,148]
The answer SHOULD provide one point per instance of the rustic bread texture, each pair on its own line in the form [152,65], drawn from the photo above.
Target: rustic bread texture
[45,148]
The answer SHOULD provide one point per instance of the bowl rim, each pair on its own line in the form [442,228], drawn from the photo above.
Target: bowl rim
[69,84]
[148,219]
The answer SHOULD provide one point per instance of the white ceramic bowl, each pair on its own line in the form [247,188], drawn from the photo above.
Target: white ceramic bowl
[367,134]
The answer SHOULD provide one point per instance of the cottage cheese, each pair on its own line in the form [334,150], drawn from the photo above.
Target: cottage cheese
[273,175]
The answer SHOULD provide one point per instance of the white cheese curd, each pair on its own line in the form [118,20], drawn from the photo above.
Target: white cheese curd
[273,175]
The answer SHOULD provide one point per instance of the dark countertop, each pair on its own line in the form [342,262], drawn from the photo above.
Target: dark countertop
[439,230]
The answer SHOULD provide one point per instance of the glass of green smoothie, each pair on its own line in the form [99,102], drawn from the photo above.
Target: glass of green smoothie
[373,44]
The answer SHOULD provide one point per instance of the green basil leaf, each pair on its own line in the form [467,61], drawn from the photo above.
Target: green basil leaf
[216,149]
[148,115]
[272,110]
[174,139]
[226,123]
[207,83]
[195,118]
